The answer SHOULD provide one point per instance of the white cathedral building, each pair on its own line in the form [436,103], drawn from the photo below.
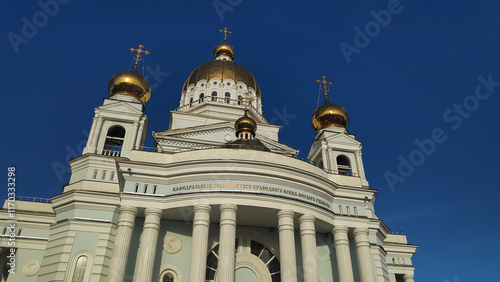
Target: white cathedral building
[219,198]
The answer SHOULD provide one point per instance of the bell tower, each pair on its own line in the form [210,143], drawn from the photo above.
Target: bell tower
[120,124]
[335,150]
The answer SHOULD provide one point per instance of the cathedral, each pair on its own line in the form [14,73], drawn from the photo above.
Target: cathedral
[218,197]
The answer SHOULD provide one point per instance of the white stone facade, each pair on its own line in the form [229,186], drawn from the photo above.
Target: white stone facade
[190,210]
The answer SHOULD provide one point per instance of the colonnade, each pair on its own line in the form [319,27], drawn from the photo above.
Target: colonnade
[226,269]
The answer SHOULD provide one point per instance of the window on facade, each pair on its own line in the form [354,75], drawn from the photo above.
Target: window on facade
[348,210]
[145,188]
[202,97]
[240,100]
[103,175]
[169,277]
[191,102]
[268,257]
[228,97]
[214,96]
[344,165]
[94,176]
[257,249]
[154,188]
[112,177]
[137,187]
[80,268]
[114,141]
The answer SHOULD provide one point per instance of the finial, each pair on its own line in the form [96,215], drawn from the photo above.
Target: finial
[226,32]
[324,86]
[137,57]
[246,101]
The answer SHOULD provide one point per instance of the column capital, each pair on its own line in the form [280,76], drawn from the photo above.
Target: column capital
[153,211]
[307,225]
[228,214]
[128,209]
[228,207]
[286,213]
[340,229]
[307,218]
[202,208]
[360,231]
[340,235]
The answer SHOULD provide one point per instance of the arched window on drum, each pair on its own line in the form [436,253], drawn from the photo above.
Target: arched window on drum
[344,165]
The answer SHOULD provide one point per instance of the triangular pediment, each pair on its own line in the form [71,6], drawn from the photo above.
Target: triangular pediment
[121,107]
[213,135]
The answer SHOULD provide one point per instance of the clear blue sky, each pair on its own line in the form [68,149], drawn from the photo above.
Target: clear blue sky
[414,74]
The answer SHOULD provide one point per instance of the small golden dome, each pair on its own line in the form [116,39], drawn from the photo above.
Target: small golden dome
[130,83]
[245,123]
[329,115]
[224,48]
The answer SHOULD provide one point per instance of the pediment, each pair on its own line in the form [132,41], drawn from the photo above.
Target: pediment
[122,107]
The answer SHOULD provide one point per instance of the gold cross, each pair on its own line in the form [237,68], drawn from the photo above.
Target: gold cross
[324,86]
[226,32]
[137,57]
[246,100]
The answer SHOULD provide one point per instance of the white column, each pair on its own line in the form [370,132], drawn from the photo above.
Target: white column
[341,242]
[96,134]
[309,251]
[409,278]
[147,249]
[121,247]
[359,162]
[134,135]
[287,246]
[333,161]
[201,224]
[326,162]
[139,135]
[91,135]
[227,238]
[364,255]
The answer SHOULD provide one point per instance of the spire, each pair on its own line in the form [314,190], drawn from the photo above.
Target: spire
[137,57]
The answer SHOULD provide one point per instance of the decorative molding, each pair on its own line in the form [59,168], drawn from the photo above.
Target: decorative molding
[172,244]
[31,268]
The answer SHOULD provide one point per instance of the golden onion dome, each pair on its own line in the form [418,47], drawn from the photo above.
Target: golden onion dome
[222,69]
[245,123]
[130,83]
[329,115]
[224,48]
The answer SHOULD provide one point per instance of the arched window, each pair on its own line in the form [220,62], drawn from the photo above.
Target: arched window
[228,97]
[80,269]
[191,102]
[344,165]
[240,100]
[202,96]
[260,251]
[114,141]
[169,277]
[214,96]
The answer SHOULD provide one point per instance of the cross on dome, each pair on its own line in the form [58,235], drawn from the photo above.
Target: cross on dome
[137,57]
[226,32]
[324,85]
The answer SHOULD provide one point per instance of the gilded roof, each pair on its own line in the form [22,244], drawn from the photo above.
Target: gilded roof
[222,69]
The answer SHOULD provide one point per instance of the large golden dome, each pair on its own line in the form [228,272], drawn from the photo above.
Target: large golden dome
[222,69]
[329,115]
[130,83]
